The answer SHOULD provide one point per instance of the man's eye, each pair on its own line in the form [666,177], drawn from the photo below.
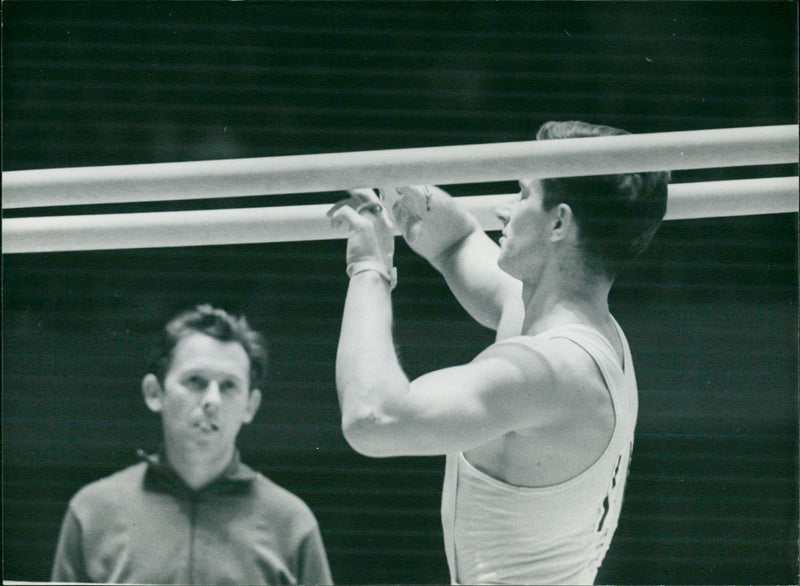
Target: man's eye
[228,386]
[195,382]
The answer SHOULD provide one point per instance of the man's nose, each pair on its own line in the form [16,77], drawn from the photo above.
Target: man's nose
[211,398]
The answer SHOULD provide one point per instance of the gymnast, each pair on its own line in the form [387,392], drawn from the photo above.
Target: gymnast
[538,428]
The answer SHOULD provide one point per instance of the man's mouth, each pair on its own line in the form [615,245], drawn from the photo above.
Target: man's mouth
[207,426]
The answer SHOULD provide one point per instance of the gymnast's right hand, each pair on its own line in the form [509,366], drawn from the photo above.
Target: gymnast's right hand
[428,217]
[405,204]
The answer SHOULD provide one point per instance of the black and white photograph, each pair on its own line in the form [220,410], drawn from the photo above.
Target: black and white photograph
[400,292]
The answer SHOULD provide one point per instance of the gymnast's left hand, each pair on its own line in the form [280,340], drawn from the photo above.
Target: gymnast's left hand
[371,237]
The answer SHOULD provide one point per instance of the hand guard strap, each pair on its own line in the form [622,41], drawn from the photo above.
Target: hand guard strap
[389,275]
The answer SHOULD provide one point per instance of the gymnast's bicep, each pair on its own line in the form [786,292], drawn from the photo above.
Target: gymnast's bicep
[462,407]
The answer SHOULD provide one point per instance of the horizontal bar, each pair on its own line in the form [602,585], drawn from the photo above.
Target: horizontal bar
[696,149]
[689,201]
[309,222]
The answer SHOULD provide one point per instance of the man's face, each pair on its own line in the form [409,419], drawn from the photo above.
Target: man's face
[206,397]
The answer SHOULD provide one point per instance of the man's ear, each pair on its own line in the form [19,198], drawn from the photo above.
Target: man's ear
[562,222]
[153,394]
[253,403]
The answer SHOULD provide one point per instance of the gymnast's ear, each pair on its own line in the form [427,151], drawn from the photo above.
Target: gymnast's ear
[562,221]
[152,392]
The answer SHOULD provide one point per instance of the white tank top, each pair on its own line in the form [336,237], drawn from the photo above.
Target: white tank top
[495,532]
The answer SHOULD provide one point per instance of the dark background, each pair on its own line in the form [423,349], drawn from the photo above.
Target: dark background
[710,310]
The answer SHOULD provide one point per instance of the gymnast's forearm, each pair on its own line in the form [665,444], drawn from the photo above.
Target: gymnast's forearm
[441,230]
[369,378]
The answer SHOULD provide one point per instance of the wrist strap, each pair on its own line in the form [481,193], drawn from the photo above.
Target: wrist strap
[389,275]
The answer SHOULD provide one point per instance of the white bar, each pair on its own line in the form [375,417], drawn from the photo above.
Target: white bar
[728,147]
[309,222]
[687,201]
[742,197]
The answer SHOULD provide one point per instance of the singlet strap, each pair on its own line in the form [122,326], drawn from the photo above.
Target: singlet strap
[448,512]
[599,348]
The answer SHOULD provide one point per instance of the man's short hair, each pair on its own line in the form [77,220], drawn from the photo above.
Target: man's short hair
[617,215]
[218,324]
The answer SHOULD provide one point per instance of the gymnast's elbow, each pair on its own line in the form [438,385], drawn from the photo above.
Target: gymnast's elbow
[368,433]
